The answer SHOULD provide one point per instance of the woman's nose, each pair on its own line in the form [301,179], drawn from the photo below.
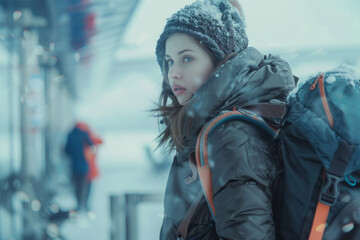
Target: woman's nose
[175,72]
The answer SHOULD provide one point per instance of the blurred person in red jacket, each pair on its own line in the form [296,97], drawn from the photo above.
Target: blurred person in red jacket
[81,146]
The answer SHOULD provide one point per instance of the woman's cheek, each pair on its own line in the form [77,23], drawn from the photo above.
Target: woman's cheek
[198,82]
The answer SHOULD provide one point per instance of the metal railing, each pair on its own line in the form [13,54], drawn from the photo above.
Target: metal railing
[124,213]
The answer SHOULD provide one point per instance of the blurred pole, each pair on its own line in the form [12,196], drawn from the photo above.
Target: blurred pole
[47,131]
[27,26]
[25,168]
[24,79]
[124,217]
[10,40]
[47,63]
[30,101]
[117,216]
[131,202]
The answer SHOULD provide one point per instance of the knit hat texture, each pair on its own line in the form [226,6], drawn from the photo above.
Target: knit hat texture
[217,24]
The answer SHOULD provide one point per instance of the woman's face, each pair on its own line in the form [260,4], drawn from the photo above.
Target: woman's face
[189,65]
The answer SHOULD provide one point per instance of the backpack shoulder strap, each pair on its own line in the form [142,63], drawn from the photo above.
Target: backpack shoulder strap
[330,190]
[202,146]
[274,112]
[184,224]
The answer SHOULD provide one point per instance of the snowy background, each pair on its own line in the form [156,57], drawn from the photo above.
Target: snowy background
[312,36]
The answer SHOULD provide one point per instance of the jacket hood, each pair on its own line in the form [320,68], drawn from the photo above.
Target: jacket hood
[247,78]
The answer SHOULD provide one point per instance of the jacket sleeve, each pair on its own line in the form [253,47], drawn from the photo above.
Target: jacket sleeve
[242,172]
[87,139]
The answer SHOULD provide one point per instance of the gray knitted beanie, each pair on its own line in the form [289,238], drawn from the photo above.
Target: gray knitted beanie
[217,24]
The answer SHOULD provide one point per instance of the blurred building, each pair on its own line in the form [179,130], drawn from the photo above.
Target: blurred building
[45,45]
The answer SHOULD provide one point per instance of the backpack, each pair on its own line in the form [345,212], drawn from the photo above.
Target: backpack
[317,193]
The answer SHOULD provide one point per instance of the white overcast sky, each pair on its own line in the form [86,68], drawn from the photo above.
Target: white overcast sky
[270,24]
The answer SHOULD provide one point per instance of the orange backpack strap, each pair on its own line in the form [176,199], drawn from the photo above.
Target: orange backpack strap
[319,222]
[202,146]
[329,192]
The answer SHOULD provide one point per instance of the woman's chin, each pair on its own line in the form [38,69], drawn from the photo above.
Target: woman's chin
[183,100]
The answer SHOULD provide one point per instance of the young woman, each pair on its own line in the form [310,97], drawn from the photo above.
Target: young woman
[207,68]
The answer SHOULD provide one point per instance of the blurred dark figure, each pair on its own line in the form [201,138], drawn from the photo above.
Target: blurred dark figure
[90,152]
[81,148]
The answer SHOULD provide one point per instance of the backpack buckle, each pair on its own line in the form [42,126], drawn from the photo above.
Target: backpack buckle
[330,190]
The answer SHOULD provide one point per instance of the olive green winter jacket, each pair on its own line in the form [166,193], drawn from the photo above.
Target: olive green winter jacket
[239,154]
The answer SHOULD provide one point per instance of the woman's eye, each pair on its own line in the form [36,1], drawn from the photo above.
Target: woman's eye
[170,62]
[188,59]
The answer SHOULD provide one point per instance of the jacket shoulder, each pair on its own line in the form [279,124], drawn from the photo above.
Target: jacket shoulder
[239,150]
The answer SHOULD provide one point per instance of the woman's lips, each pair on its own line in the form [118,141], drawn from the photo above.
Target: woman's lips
[178,90]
